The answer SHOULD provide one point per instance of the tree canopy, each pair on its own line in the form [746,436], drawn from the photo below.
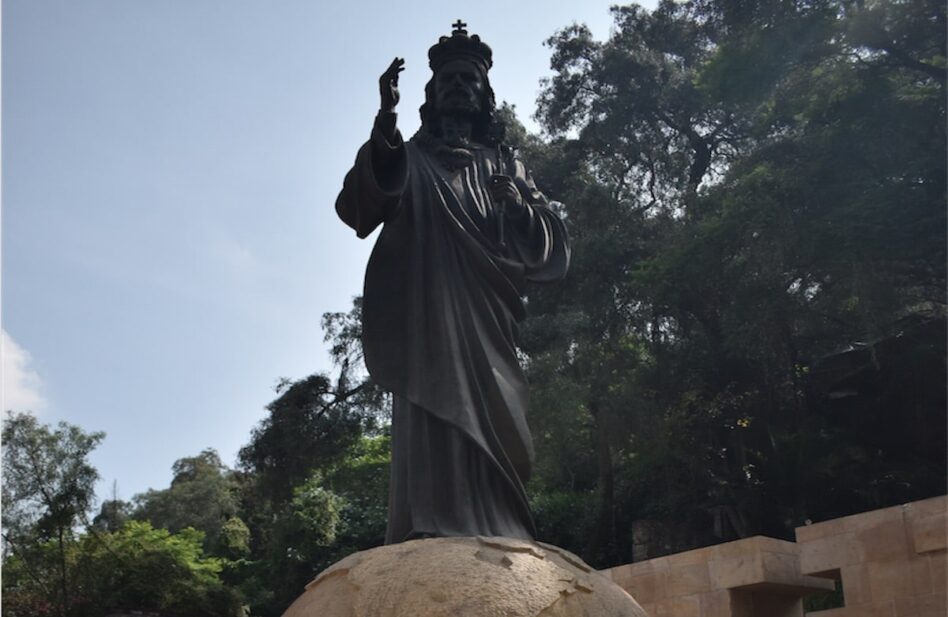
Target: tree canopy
[751,188]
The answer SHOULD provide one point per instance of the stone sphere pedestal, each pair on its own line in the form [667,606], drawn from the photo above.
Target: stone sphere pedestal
[463,577]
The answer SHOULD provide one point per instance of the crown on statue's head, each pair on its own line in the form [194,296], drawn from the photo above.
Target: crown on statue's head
[460,46]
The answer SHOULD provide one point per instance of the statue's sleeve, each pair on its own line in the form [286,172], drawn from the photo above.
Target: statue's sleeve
[371,193]
[539,238]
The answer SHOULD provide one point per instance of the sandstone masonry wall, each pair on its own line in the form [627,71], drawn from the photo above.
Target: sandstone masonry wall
[891,563]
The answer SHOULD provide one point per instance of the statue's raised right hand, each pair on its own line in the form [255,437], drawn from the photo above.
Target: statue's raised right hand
[388,84]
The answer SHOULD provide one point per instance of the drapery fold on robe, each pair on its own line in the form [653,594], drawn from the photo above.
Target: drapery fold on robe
[441,303]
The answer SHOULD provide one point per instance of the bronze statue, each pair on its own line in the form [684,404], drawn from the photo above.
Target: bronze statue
[465,229]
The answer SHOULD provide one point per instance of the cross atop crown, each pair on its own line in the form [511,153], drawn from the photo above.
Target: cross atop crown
[460,46]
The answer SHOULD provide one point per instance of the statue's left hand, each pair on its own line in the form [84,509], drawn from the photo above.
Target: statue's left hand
[503,189]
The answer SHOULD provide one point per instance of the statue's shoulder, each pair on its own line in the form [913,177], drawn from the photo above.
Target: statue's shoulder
[422,144]
[422,138]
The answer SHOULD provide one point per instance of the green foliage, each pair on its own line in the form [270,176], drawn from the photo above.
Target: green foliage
[361,482]
[30,578]
[313,478]
[291,516]
[750,188]
[296,539]
[563,518]
[51,569]
[48,489]
[48,484]
[202,495]
[310,425]
[234,539]
[314,421]
[112,516]
[136,568]
[314,515]
[143,568]
[338,510]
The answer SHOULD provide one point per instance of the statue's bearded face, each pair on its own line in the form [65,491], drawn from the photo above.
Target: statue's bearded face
[459,88]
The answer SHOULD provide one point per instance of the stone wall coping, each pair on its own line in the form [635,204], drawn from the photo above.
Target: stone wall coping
[758,562]
[915,510]
[726,550]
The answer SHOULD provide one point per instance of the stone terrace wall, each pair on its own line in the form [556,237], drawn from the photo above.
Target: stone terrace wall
[753,577]
[891,563]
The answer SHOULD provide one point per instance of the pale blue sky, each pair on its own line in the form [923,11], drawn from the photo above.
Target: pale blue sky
[169,171]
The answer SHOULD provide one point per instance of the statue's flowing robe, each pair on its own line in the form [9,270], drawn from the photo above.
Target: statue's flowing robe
[441,303]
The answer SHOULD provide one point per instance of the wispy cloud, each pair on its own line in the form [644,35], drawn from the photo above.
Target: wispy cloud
[22,386]
[236,257]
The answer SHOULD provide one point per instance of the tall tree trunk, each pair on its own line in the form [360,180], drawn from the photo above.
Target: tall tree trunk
[700,163]
[602,539]
[62,573]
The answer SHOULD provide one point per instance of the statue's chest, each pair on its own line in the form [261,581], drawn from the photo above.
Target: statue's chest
[468,182]
[459,188]
[470,189]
